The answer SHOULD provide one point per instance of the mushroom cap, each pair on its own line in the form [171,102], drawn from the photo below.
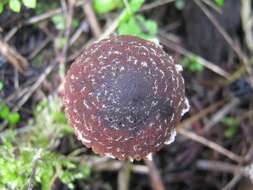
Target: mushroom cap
[124,96]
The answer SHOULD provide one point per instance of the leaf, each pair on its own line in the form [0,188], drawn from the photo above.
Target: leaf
[86,171]
[46,173]
[192,63]
[15,5]
[129,28]
[13,118]
[59,22]
[4,111]
[138,26]
[1,10]
[105,6]
[135,5]
[30,3]
[232,126]
[220,3]
[60,42]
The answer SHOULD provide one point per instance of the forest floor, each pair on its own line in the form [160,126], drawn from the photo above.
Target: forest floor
[214,144]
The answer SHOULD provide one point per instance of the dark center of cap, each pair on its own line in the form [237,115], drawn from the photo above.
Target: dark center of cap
[130,103]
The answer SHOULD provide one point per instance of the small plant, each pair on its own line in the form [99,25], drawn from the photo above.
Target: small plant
[232,125]
[219,3]
[138,26]
[15,5]
[18,152]
[130,23]
[45,5]
[105,6]
[192,64]
[12,118]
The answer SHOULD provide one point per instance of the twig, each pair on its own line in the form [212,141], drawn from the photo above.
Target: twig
[156,180]
[237,170]
[233,182]
[112,26]
[193,136]
[103,164]
[247,22]
[39,48]
[201,114]
[124,176]
[43,16]
[13,56]
[225,35]
[35,161]
[11,33]
[219,115]
[49,14]
[173,46]
[211,4]
[155,4]
[92,19]
[82,28]
[218,166]
[69,12]
[33,88]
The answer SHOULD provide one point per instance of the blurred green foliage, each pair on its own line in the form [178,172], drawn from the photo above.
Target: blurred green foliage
[15,5]
[18,149]
[138,26]
[130,23]
[219,3]
[12,118]
[45,5]
[232,125]
[60,22]
[105,6]
[193,64]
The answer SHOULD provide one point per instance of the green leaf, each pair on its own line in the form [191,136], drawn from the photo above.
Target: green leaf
[105,6]
[1,7]
[30,3]
[60,42]
[14,118]
[232,126]
[86,171]
[59,22]
[129,28]
[46,174]
[138,26]
[4,111]
[192,63]
[135,5]
[15,5]
[75,23]
[220,3]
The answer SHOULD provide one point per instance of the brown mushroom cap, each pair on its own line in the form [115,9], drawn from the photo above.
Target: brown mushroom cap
[124,96]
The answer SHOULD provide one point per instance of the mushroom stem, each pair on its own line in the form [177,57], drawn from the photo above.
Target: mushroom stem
[155,177]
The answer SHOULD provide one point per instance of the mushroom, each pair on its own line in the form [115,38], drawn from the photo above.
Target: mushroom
[124,96]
